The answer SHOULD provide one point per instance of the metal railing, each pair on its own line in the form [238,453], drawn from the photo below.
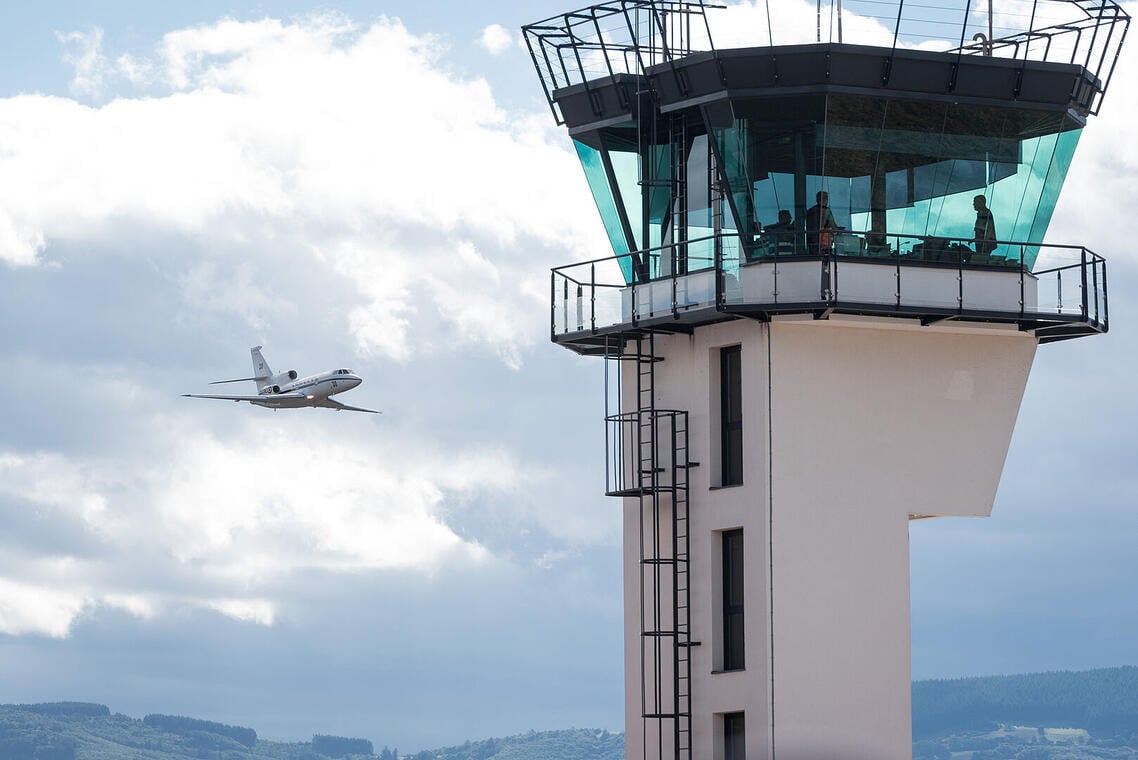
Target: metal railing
[892,275]
[628,36]
[1088,33]
[616,37]
[597,285]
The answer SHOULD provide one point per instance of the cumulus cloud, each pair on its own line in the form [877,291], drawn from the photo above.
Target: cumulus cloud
[204,288]
[746,23]
[240,515]
[84,53]
[496,39]
[273,141]
[790,22]
[257,611]
[33,609]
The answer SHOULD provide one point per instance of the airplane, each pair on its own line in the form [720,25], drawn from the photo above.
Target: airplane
[285,390]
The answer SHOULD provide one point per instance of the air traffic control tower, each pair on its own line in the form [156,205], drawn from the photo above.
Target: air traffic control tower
[827,283]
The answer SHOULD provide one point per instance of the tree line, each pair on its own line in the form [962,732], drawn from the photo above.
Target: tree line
[1103,701]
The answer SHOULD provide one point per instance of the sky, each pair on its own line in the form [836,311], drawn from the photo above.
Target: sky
[381,186]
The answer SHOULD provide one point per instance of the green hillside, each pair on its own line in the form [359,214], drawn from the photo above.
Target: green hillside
[574,744]
[85,731]
[1089,715]
[1103,702]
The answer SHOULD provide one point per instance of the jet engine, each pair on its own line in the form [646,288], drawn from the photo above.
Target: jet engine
[284,377]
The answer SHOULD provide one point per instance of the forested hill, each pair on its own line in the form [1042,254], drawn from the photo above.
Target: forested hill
[1103,701]
[86,731]
[1075,716]
[575,744]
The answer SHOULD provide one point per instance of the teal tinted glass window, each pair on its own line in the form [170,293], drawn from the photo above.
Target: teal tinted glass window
[771,164]
[620,147]
[642,187]
[657,195]
[735,210]
[908,169]
[626,171]
[1061,156]
[914,168]
[700,204]
[596,175]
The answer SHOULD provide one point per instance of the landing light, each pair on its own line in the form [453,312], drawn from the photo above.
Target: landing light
[310,397]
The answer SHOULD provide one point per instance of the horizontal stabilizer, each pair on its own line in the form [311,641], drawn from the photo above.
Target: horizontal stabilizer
[237,380]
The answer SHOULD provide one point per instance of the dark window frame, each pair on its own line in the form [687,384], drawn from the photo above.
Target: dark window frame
[734,736]
[731,415]
[733,604]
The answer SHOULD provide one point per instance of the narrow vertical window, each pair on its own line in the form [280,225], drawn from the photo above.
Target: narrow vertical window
[734,743]
[733,599]
[731,414]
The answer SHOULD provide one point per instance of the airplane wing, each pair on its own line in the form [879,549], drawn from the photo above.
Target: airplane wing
[240,380]
[262,397]
[331,404]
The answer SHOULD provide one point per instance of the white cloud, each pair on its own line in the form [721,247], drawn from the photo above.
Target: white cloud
[249,610]
[84,53]
[278,145]
[496,39]
[134,70]
[241,516]
[791,22]
[48,480]
[35,609]
[745,24]
[19,242]
[300,504]
[205,289]
[138,605]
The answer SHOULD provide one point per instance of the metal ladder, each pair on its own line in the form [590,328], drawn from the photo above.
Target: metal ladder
[653,459]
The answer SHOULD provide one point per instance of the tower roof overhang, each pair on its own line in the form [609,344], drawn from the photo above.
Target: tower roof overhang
[708,78]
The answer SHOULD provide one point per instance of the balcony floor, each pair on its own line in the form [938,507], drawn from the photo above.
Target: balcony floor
[818,289]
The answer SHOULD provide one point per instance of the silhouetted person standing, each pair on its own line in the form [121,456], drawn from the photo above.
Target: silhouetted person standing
[820,224]
[984,234]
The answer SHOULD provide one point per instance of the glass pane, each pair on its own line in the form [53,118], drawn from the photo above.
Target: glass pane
[602,191]
[626,170]
[644,188]
[700,214]
[915,168]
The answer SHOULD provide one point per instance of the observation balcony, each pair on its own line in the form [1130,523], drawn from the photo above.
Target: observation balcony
[923,280]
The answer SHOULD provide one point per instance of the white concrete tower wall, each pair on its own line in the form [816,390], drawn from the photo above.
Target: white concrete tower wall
[851,427]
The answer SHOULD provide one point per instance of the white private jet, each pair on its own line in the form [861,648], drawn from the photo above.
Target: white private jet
[286,391]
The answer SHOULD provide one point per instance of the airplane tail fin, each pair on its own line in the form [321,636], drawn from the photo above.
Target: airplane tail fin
[262,372]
